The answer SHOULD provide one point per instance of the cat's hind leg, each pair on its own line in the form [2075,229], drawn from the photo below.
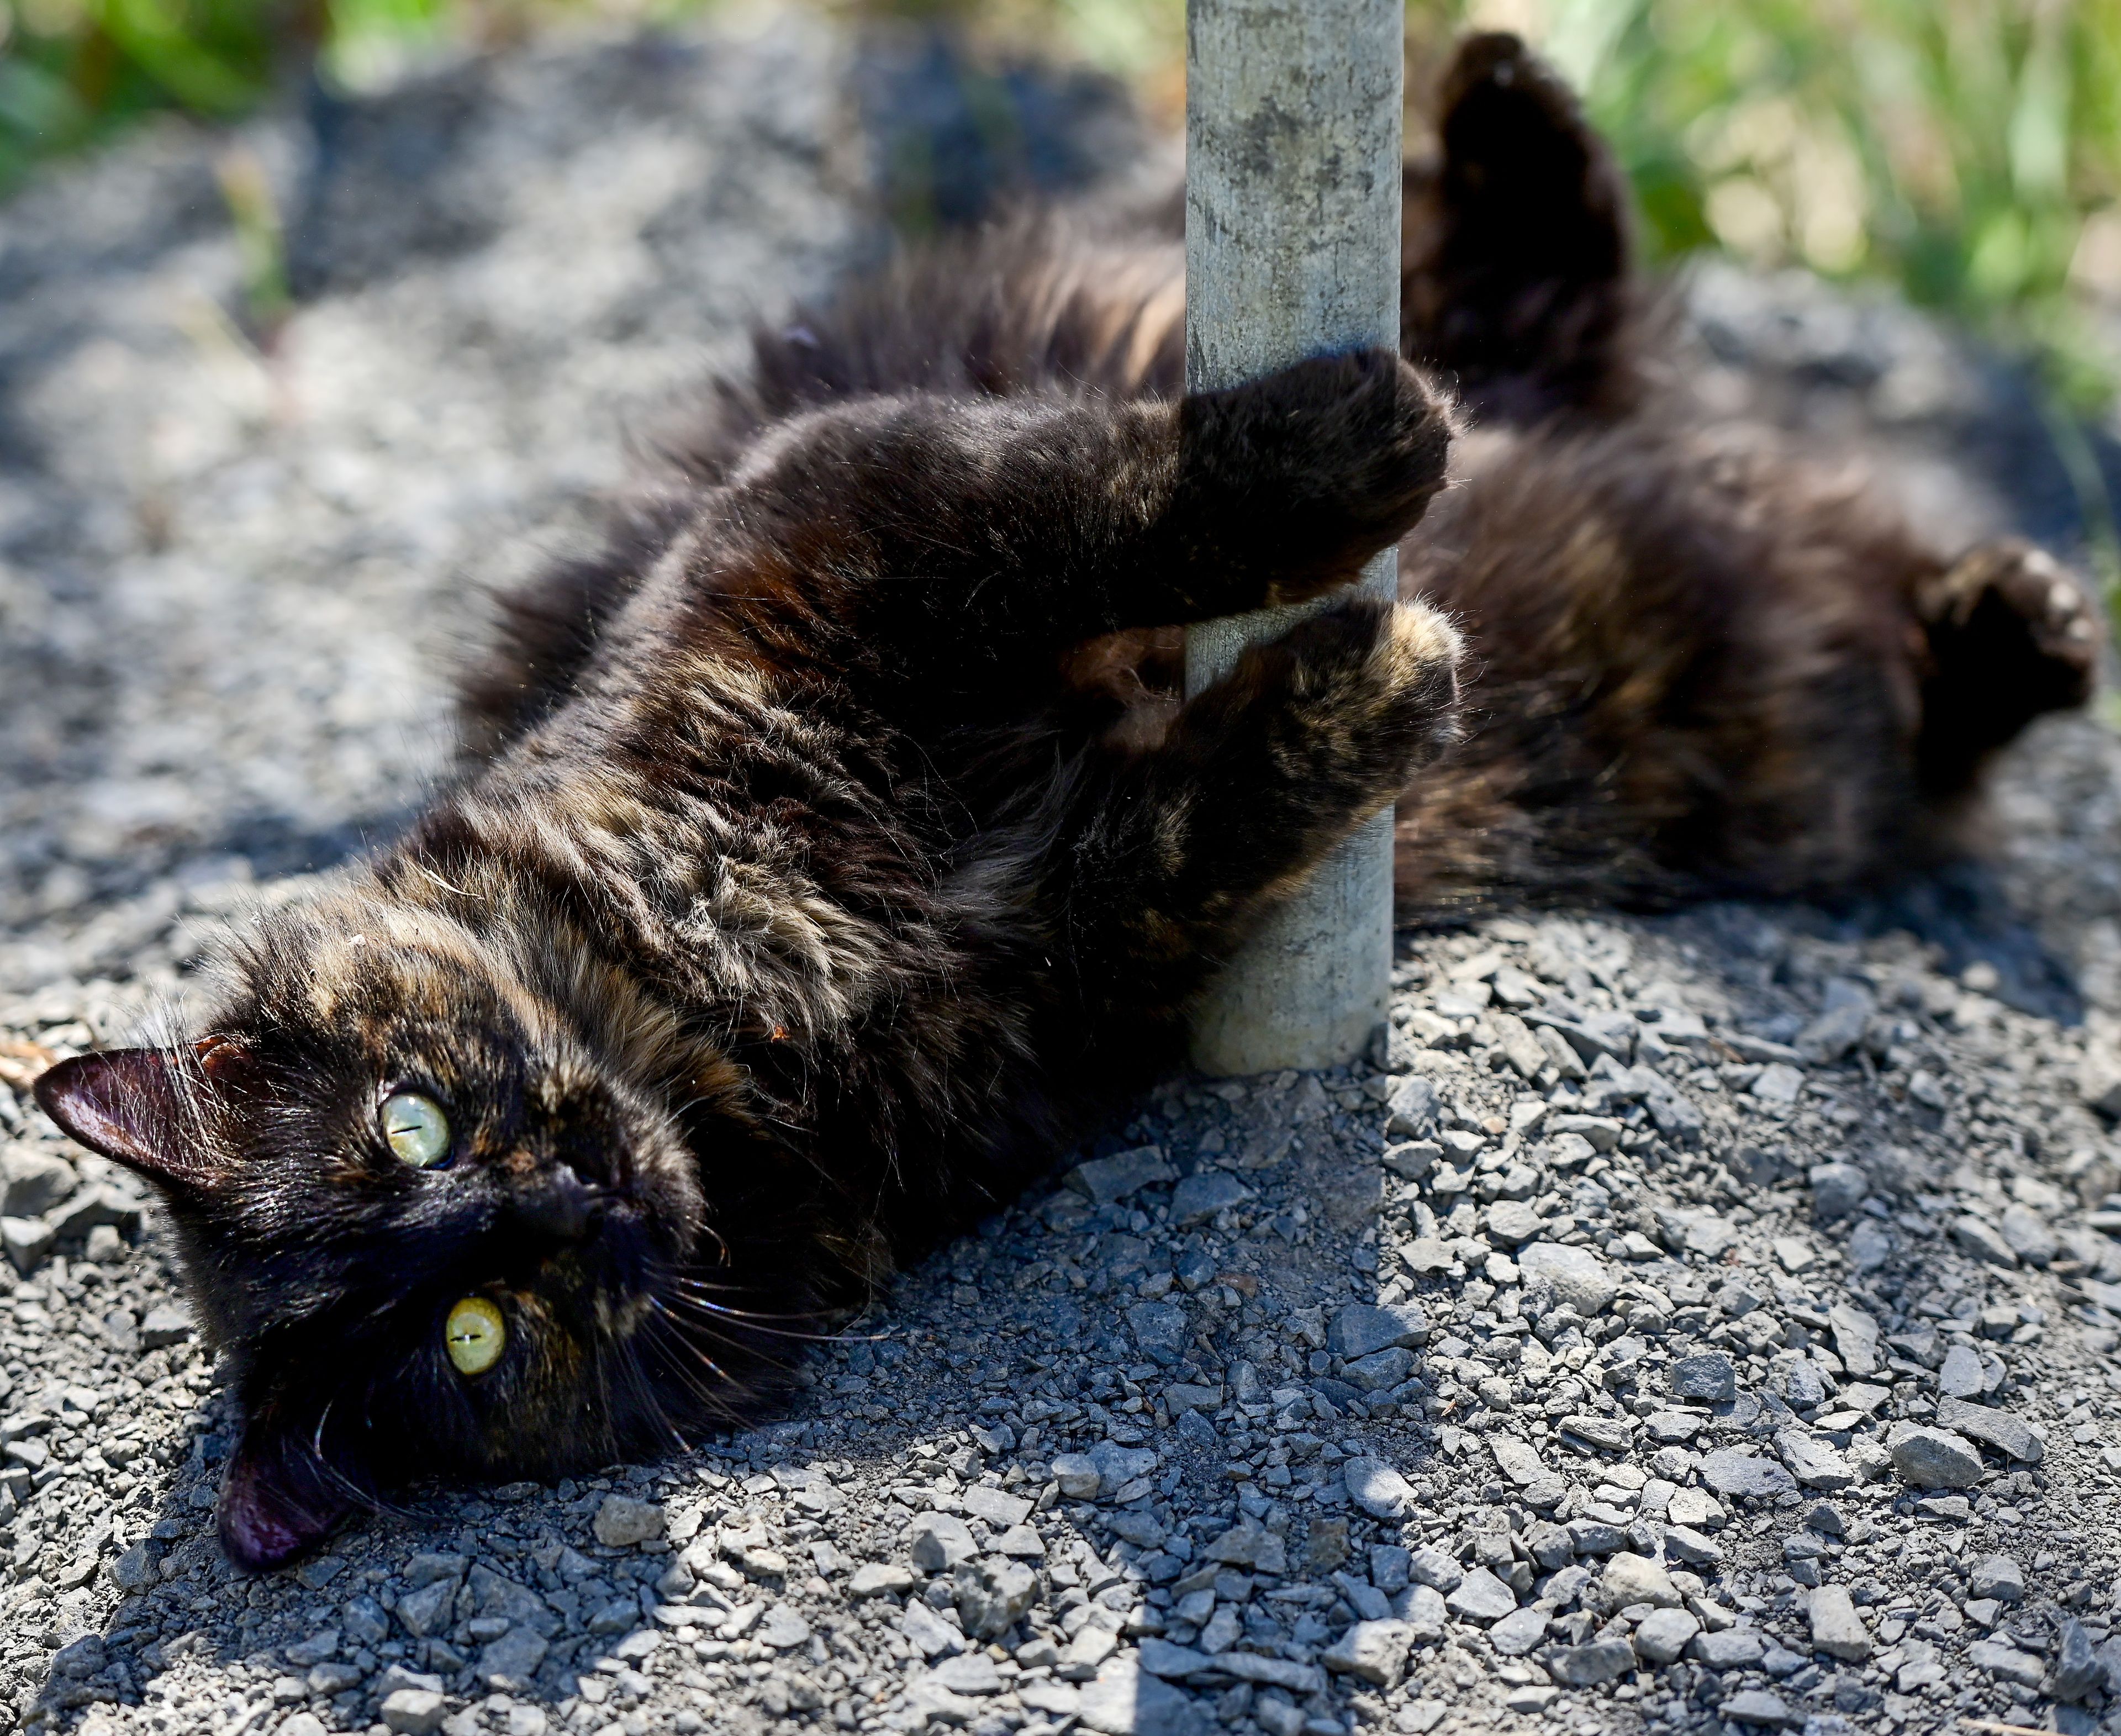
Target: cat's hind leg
[1514,280]
[2011,635]
[1166,861]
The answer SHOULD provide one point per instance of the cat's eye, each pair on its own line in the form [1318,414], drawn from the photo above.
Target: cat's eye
[417,1130]
[475,1334]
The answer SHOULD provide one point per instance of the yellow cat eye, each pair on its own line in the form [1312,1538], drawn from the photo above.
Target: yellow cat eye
[475,1335]
[417,1130]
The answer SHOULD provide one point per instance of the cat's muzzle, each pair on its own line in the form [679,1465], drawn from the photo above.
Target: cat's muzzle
[555,1205]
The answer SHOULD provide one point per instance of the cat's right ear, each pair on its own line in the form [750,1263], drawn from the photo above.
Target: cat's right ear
[140,1107]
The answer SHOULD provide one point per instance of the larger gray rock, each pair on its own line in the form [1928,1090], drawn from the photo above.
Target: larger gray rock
[32,1182]
[1735,1648]
[1200,1197]
[1686,1230]
[1840,1024]
[1482,1597]
[1411,1107]
[1999,1577]
[1836,1629]
[1375,1651]
[2077,1670]
[1105,1181]
[1510,1222]
[1360,1329]
[1729,1472]
[1432,1567]
[1636,1579]
[1378,1371]
[413,1711]
[1961,1375]
[621,1521]
[1933,1458]
[1993,1428]
[938,1542]
[1855,1338]
[1756,1706]
[1661,1637]
[2000,1658]
[1981,1240]
[27,1241]
[1378,1489]
[1160,1331]
[1125,1700]
[1811,1461]
[993,1594]
[1588,1666]
[512,1660]
[1837,1190]
[1519,1631]
[2029,1236]
[1248,1544]
[426,1610]
[1706,1374]
[1579,1277]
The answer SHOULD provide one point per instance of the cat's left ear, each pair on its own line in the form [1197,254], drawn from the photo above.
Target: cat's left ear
[142,1106]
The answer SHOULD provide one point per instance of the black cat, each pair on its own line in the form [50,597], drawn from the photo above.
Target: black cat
[834,852]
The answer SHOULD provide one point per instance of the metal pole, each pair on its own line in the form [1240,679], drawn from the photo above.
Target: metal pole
[1292,250]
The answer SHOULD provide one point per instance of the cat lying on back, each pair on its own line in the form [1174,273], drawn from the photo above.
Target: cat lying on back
[833,853]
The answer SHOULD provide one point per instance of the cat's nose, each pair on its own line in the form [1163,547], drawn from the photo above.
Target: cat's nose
[557,1204]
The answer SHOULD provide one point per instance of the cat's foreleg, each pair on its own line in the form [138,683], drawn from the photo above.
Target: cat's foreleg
[1170,861]
[939,527]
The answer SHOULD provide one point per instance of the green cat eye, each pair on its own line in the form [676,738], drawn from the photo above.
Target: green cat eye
[475,1334]
[416,1129]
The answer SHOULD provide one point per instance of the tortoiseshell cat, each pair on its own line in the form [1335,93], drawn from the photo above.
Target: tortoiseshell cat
[830,859]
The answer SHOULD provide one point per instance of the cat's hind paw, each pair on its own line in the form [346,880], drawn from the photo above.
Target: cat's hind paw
[2014,606]
[2012,635]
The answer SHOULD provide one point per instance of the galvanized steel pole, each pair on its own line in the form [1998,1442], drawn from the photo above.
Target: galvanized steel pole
[1292,250]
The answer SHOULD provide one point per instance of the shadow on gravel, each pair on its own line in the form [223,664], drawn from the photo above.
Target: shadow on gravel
[1169,1314]
[1961,909]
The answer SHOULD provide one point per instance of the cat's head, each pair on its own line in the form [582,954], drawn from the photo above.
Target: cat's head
[441,1227]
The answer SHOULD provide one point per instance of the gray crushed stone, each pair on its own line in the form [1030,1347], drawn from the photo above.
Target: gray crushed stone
[1699,1322]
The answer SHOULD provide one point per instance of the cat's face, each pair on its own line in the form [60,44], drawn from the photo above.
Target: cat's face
[440,1233]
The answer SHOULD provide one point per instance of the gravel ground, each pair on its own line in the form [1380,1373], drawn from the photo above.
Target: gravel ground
[1700,1322]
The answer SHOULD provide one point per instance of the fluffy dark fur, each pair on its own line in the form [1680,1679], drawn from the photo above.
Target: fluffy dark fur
[831,833]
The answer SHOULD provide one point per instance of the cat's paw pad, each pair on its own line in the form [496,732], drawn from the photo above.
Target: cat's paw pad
[2007,596]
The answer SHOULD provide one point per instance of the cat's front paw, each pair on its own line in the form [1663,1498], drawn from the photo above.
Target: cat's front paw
[1318,466]
[1379,693]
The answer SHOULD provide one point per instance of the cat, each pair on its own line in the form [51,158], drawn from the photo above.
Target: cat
[833,849]
[812,926]
[1706,665]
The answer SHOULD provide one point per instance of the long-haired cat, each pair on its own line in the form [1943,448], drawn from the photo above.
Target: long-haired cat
[830,853]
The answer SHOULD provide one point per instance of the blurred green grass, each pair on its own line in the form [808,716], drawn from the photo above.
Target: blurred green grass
[1967,151]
